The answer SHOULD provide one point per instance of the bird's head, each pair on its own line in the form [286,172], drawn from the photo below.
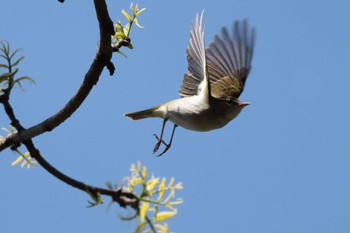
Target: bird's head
[228,108]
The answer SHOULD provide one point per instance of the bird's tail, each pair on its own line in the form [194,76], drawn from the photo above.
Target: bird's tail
[151,112]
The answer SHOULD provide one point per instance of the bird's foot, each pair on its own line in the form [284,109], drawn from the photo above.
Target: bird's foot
[159,142]
[167,146]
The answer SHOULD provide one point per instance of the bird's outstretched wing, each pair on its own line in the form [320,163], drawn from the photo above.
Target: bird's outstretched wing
[196,81]
[228,60]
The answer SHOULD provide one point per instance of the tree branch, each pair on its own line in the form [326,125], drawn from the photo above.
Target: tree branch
[123,198]
[102,59]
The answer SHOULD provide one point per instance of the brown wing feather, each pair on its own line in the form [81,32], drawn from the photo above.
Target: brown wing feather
[229,60]
[226,88]
[196,61]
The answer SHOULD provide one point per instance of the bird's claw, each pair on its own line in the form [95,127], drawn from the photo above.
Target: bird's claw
[165,150]
[159,142]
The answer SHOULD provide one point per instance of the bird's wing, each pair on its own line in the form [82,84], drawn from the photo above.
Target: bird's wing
[196,81]
[228,60]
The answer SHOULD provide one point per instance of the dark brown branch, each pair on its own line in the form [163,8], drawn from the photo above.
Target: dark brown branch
[4,99]
[123,198]
[102,59]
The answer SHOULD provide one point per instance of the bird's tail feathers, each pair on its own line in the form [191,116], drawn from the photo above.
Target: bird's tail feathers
[151,112]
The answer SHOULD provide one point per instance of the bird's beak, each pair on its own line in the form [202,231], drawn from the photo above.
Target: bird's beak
[243,104]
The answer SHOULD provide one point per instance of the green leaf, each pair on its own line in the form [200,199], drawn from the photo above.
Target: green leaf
[27,159]
[97,200]
[4,77]
[5,57]
[143,211]
[17,161]
[4,84]
[19,84]
[120,34]
[8,49]
[165,215]
[4,66]
[140,11]
[132,9]
[127,16]
[126,29]
[118,26]
[25,78]
[14,53]
[137,23]
[18,61]
[123,54]
[8,75]
[140,227]
[3,48]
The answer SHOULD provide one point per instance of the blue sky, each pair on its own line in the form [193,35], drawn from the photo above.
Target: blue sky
[281,166]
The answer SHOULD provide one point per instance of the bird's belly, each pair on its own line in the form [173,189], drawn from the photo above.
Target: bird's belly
[195,114]
[198,122]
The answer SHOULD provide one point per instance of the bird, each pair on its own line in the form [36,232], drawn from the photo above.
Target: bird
[212,85]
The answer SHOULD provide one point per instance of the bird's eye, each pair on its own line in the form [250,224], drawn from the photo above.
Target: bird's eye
[229,101]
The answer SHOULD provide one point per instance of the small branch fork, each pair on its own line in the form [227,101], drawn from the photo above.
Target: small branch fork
[23,135]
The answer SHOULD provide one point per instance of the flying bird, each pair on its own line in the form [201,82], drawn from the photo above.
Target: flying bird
[212,85]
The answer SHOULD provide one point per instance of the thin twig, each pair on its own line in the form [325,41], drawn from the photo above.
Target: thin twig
[123,198]
[150,224]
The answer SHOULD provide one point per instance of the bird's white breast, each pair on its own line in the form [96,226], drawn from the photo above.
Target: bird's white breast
[194,113]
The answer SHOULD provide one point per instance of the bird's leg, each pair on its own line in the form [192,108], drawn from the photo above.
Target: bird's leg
[159,139]
[167,146]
